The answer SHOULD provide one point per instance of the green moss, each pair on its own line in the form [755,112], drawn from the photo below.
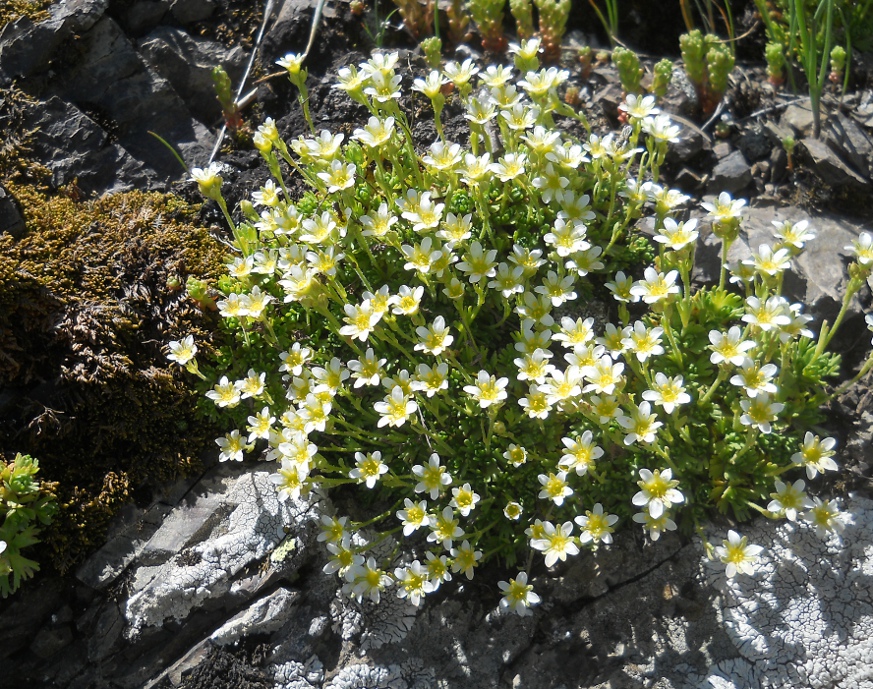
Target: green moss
[88,302]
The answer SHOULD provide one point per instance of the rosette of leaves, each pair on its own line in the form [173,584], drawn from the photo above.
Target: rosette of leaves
[26,505]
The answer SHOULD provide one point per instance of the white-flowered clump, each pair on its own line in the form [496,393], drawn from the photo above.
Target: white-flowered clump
[428,307]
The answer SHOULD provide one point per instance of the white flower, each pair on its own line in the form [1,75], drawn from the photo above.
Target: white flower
[641,424]
[369,468]
[794,235]
[395,408]
[725,208]
[488,389]
[431,380]
[360,321]
[738,555]
[621,288]
[661,128]
[728,348]
[760,411]
[826,517]
[667,392]
[290,480]
[638,108]
[224,394]
[260,425]
[464,499]
[657,492]
[509,166]
[433,475]
[580,453]
[789,499]
[575,333]
[377,132]
[603,376]
[861,249]
[596,526]
[478,263]
[654,526]
[406,301]
[754,378]
[414,516]
[461,74]
[769,262]
[367,370]
[465,559]
[291,62]
[655,286]
[509,280]
[518,595]
[209,180]
[379,223]
[558,289]
[232,447]
[496,75]
[294,359]
[431,85]
[413,583]
[555,487]
[643,341]
[567,237]
[677,236]
[444,528]
[366,581]
[516,455]
[182,351]
[435,338]
[816,455]
[556,543]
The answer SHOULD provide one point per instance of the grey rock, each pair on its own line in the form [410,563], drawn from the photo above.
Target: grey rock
[11,216]
[688,180]
[252,528]
[264,616]
[825,163]
[50,640]
[111,79]
[755,144]
[818,275]
[798,118]
[190,11]
[27,48]
[692,141]
[777,133]
[186,62]
[289,31]
[143,16]
[778,164]
[850,143]
[722,150]
[609,98]
[804,618]
[731,174]
[73,146]
[105,566]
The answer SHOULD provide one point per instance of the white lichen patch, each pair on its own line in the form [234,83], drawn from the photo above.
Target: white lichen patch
[254,525]
[805,617]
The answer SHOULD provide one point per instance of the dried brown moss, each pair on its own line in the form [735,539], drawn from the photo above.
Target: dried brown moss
[88,301]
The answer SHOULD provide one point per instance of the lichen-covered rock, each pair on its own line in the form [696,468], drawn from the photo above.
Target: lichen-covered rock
[805,619]
[207,570]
